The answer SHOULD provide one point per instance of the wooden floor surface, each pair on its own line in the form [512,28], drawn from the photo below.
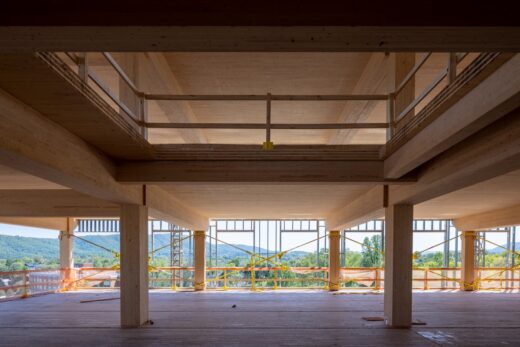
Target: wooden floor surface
[261,319]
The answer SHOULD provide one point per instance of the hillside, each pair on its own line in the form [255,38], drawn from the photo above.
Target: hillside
[501,250]
[17,247]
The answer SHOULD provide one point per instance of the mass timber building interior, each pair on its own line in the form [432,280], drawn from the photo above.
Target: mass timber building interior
[256,147]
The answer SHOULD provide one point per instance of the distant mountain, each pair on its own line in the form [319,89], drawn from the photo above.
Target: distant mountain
[500,250]
[16,247]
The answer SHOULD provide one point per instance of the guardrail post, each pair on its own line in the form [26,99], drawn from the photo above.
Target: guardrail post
[452,67]
[25,285]
[174,279]
[390,116]
[143,115]
[268,144]
[225,279]
[401,64]
[83,66]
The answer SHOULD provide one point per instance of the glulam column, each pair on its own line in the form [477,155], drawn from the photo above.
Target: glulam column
[134,265]
[468,275]
[200,259]
[334,262]
[67,255]
[398,265]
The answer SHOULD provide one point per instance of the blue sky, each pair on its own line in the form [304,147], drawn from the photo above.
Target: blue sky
[16,230]
[421,241]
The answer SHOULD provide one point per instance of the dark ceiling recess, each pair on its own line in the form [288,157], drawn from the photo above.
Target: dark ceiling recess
[259,13]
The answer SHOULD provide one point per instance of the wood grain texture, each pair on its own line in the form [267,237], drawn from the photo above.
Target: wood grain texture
[149,172]
[504,217]
[398,265]
[489,153]
[472,107]
[47,85]
[134,265]
[53,203]
[305,318]
[367,206]
[324,38]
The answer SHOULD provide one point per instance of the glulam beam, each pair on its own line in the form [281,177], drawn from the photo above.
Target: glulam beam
[494,97]
[491,152]
[205,38]
[31,143]
[368,206]
[489,219]
[53,203]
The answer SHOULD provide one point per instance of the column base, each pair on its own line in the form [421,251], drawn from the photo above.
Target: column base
[396,326]
[200,287]
[467,287]
[69,279]
[333,287]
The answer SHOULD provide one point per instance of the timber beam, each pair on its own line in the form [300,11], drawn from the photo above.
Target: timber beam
[160,76]
[53,203]
[490,219]
[43,82]
[255,152]
[53,223]
[324,38]
[371,81]
[150,172]
[496,96]
[31,143]
[370,205]
[491,152]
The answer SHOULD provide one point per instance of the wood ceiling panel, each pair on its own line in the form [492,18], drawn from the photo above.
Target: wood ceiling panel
[499,192]
[267,200]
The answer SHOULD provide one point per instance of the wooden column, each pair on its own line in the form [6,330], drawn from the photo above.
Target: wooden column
[66,255]
[334,263]
[468,274]
[200,260]
[398,265]
[134,265]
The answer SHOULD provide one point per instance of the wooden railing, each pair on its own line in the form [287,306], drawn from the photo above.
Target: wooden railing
[20,284]
[366,278]
[25,283]
[81,63]
[400,124]
[473,69]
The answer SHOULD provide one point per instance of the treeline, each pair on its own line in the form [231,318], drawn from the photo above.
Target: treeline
[20,253]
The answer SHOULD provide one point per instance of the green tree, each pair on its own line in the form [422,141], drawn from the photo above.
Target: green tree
[371,252]
[352,259]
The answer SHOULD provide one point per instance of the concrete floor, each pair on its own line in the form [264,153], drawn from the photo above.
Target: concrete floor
[261,319]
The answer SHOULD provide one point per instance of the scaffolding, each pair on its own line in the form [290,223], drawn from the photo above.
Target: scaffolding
[180,252]
[266,237]
[265,250]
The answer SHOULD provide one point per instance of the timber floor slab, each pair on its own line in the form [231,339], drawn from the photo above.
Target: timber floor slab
[261,319]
